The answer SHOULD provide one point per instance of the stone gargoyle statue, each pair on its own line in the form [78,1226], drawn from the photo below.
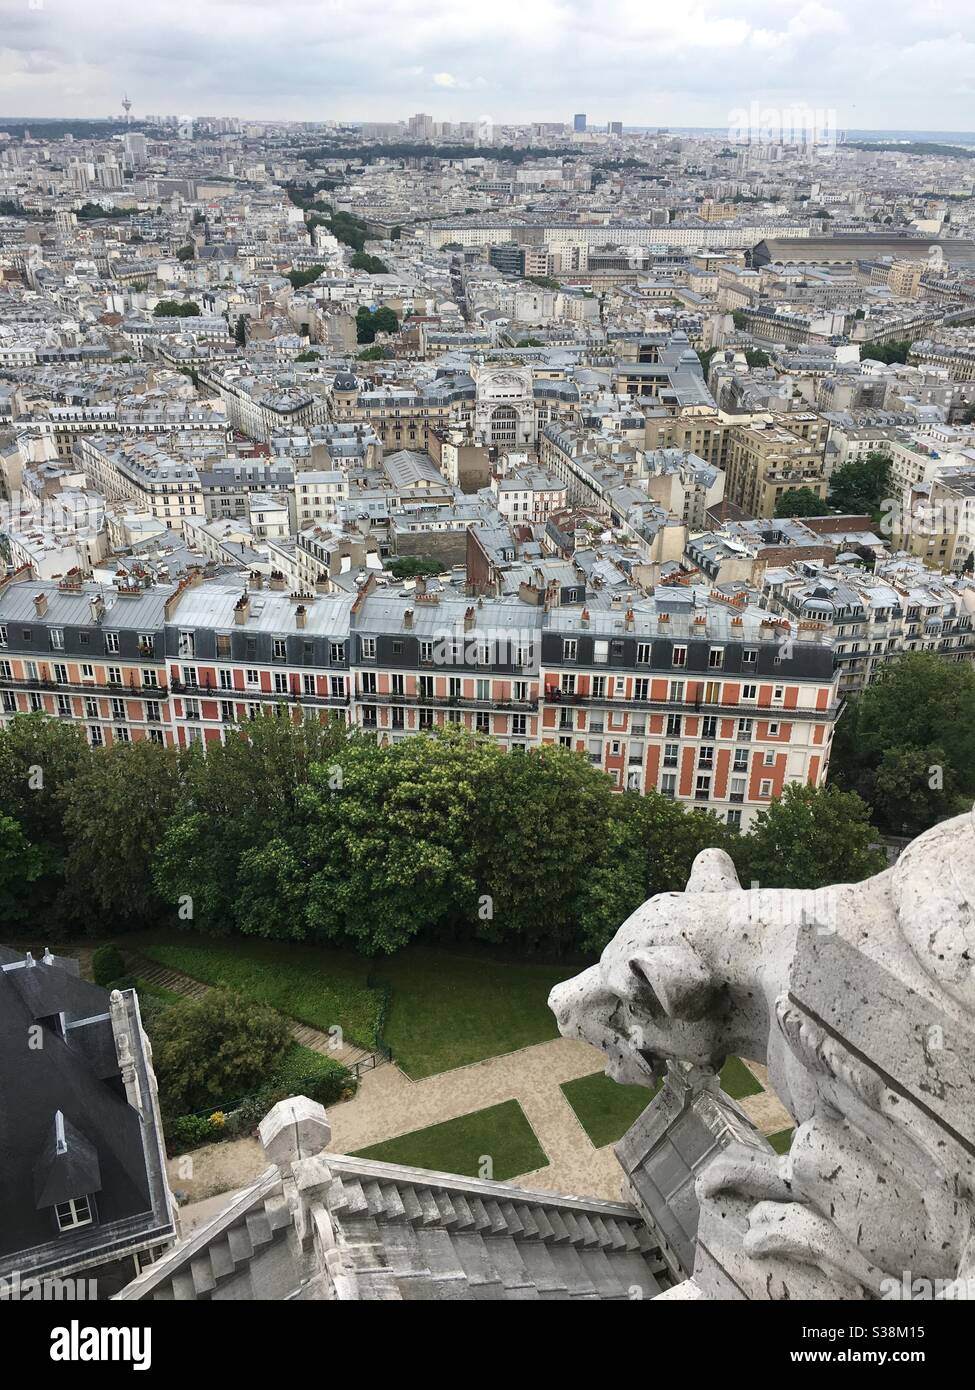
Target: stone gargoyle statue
[860,998]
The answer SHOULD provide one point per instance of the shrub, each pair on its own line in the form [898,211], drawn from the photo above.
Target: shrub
[107,964]
[190,1131]
[215,1048]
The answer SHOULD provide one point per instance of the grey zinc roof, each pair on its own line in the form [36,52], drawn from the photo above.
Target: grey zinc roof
[271,610]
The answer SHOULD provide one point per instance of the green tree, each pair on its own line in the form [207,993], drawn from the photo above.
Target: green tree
[39,758]
[392,848]
[240,330]
[808,838]
[409,566]
[300,278]
[372,264]
[21,864]
[215,1049]
[861,486]
[799,501]
[309,356]
[228,802]
[910,737]
[173,309]
[113,812]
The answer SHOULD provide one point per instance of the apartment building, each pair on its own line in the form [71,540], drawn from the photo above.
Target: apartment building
[88,653]
[766,460]
[873,618]
[711,702]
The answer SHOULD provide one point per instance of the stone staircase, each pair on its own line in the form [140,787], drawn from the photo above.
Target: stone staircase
[357,1059]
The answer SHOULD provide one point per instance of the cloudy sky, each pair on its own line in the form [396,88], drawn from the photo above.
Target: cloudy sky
[901,64]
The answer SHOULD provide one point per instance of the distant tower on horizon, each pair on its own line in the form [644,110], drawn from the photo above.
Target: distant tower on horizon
[579,122]
[126,107]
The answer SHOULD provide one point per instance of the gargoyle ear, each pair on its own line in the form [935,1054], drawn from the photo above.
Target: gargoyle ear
[677,977]
[713,871]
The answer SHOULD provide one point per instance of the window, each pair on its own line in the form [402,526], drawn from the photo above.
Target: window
[191,709]
[740,763]
[111,641]
[673,725]
[519,723]
[337,685]
[280,649]
[223,644]
[308,684]
[676,691]
[778,694]
[187,644]
[568,685]
[744,730]
[734,820]
[641,688]
[156,736]
[149,678]
[61,674]
[738,788]
[226,679]
[426,653]
[152,711]
[643,650]
[768,759]
[3,636]
[87,671]
[679,656]
[121,734]
[227,711]
[75,1212]
[280,683]
[773,729]
[252,677]
[749,656]
[705,756]
[336,652]
[765,789]
[749,692]
[668,784]
[95,736]
[716,658]
[702,788]
[600,652]
[189,674]
[368,648]
[709,726]
[570,649]
[671,752]
[57,638]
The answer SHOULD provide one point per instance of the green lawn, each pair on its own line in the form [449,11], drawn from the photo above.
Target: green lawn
[603,1107]
[317,986]
[781,1141]
[737,1081]
[501,1134]
[447,1009]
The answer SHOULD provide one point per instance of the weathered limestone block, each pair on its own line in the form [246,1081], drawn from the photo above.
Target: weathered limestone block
[860,998]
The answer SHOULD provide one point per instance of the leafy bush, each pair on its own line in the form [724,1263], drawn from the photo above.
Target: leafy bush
[107,964]
[190,1131]
[215,1048]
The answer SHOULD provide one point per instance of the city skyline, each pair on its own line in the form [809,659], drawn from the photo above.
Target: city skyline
[896,66]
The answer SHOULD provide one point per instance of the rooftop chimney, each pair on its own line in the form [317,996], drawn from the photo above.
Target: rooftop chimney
[408,618]
[40,604]
[242,610]
[469,620]
[301,616]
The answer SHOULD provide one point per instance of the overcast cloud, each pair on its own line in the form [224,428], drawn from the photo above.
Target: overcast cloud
[876,63]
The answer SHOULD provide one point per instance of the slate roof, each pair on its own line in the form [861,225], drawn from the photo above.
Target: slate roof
[110,1150]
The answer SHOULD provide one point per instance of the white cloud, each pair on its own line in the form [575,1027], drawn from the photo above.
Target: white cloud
[879,63]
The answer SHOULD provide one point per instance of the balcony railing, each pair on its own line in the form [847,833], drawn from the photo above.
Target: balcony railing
[702,707]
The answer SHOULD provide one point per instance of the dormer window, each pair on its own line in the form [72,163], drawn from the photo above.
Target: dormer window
[73,1213]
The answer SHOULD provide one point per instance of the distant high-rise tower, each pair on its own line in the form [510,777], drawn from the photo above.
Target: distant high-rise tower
[579,121]
[616,127]
[126,107]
